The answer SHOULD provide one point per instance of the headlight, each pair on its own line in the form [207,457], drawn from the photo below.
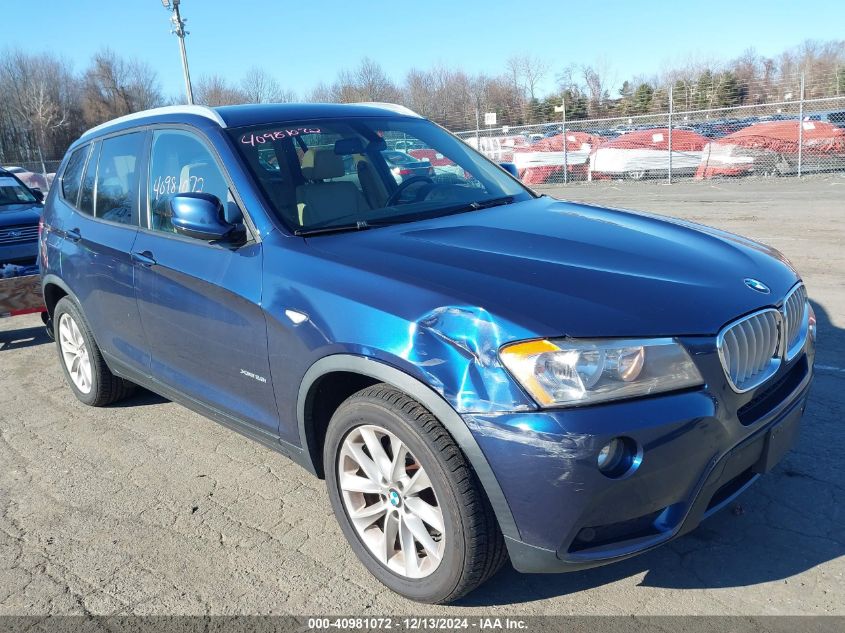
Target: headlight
[566,372]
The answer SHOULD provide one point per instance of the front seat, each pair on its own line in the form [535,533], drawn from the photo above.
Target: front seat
[321,202]
[206,177]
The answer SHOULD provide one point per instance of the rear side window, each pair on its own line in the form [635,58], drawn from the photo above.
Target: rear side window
[72,177]
[86,193]
[117,178]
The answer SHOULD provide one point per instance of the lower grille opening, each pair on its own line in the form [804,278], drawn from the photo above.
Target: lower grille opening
[597,536]
[730,488]
[773,395]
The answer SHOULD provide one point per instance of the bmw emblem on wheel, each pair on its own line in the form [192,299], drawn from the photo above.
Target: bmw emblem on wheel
[756,284]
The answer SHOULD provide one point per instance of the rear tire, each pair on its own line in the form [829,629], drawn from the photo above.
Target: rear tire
[85,370]
[461,546]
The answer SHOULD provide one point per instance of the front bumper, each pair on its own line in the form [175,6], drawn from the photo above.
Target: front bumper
[700,449]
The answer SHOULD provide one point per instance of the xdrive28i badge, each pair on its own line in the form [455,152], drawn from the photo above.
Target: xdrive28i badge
[756,284]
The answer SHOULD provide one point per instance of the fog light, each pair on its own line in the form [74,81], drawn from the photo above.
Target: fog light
[811,323]
[619,458]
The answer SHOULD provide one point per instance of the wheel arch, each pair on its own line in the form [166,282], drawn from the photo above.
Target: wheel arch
[371,371]
[53,289]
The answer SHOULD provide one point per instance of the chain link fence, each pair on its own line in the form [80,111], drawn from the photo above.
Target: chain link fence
[790,137]
[35,175]
[791,126]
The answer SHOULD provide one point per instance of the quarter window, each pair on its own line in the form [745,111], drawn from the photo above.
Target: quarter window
[181,163]
[117,178]
[72,177]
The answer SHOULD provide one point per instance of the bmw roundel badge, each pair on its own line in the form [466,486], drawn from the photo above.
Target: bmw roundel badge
[756,284]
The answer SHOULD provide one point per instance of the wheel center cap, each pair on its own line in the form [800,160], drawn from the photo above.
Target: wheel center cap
[394,498]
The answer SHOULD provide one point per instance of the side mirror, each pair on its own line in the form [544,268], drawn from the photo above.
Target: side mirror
[200,215]
[39,195]
[510,168]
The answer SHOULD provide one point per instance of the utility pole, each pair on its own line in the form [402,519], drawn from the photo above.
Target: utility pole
[562,110]
[671,111]
[179,31]
[478,124]
[801,128]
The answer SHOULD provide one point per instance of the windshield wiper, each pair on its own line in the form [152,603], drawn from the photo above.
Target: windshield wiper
[478,205]
[360,225]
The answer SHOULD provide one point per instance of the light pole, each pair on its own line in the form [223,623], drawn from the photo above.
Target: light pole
[180,32]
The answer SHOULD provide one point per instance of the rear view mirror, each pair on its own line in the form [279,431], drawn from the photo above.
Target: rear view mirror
[200,215]
[37,193]
[510,168]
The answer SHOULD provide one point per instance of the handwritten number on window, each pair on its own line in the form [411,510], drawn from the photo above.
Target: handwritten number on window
[167,185]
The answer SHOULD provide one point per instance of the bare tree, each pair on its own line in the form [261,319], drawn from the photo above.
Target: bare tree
[366,82]
[321,93]
[259,87]
[534,70]
[37,91]
[114,86]
[214,90]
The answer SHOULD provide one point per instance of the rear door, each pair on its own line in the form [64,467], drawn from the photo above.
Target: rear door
[96,230]
[200,303]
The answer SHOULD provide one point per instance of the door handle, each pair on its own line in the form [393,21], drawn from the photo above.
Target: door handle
[145,258]
[73,235]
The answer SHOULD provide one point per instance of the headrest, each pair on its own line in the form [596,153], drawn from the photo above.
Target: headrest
[347,146]
[192,169]
[320,163]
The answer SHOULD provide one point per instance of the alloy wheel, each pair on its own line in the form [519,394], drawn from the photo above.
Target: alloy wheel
[75,353]
[391,502]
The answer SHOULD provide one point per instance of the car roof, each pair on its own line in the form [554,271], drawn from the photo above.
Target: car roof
[255,114]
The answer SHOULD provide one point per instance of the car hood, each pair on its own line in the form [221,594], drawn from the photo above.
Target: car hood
[17,214]
[559,268]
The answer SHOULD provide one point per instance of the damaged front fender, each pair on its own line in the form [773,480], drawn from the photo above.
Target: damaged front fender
[456,349]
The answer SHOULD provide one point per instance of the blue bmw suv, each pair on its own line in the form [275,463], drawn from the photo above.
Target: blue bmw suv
[478,372]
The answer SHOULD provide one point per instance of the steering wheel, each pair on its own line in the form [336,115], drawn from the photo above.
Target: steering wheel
[394,197]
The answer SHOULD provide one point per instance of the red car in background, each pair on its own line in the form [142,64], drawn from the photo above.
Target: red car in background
[32,179]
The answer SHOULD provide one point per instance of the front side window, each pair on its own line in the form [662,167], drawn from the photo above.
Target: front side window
[117,178]
[13,191]
[360,172]
[72,177]
[182,163]
[86,192]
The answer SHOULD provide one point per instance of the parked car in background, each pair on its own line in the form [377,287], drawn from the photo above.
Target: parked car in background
[404,145]
[771,148]
[445,169]
[834,117]
[497,148]
[404,166]
[31,179]
[645,153]
[477,371]
[20,213]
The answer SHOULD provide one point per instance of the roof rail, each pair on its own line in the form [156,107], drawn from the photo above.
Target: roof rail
[197,110]
[393,107]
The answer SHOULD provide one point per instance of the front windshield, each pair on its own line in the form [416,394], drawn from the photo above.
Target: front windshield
[361,172]
[13,192]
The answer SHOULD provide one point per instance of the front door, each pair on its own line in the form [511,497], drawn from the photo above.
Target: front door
[200,303]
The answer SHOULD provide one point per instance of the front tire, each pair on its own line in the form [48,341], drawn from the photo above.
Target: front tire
[406,498]
[85,370]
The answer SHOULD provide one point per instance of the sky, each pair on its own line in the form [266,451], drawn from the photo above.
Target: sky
[304,43]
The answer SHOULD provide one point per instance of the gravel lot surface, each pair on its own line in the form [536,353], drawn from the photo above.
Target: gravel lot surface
[147,508]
